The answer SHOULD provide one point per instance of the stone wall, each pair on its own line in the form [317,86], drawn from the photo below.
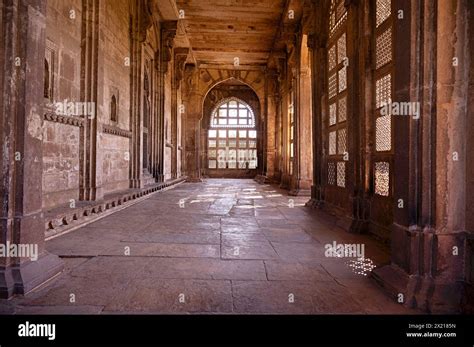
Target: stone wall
[114,164]
[60,163]
[114,80]
[114,48]
[61,141]
[63,31]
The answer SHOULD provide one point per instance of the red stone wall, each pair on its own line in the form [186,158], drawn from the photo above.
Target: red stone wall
[61,141]
[61,146]
[112,166]
[60,163]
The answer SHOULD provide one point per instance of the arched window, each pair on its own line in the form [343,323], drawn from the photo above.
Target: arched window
[113,109]
[46,79]
[232,137]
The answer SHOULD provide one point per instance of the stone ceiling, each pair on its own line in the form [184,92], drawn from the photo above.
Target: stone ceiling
[221,30]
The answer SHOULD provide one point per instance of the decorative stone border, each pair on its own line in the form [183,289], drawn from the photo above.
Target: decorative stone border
[68,120]
[63,219]
[114,130]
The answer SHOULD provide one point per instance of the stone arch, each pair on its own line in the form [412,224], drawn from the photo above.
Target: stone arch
[255,82]
[210,78]
[198,83]
[247,159]
[249,84]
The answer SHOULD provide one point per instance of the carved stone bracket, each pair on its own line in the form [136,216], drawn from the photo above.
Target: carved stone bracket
[75,121]
[272,78]
[114,130]
[142,21]
[168,33]
[181,55]
[308,20]
[290,39]
[190,71]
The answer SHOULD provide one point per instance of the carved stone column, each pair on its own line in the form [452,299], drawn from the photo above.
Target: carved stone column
[319,89]
[358,103]
[89,187]
[168,33]
[180,57]
[192,100]
[273,99]
[21,105]
[277,177]
[140,23]
[303,132]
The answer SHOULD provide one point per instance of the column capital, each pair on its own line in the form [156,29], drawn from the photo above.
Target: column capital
[168,33]
[180,58]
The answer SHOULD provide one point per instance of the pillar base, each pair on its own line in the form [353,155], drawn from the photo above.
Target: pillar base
[425,293]
[262,179]
[359,226]
[300,192]
[23,278]
[314,203]
[193,180]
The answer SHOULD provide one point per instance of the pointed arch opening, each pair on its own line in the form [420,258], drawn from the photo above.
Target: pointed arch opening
[232,136]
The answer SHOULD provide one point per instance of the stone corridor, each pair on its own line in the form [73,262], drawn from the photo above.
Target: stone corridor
[220,246]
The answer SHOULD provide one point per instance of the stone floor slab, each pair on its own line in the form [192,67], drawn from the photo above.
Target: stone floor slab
[279,270]
[228,246]
[175,296]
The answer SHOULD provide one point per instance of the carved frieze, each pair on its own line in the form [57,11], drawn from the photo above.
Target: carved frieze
[68,120]
[114,130]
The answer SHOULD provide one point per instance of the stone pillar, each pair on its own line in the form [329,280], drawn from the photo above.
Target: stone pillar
[272,100]
[137,37]
[451,154]
[180,57]
[88,187]
[193,137]
[193,103]
[21,217]
[359,101]
[469,256]
[303,131]
[155,137]
[168,33]
[429,234]
[284,155]
[262,143]
[319,90]
[279,121]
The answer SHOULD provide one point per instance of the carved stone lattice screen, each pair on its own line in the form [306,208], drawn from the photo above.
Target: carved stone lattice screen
[232,137]
[383,77]
[337,130]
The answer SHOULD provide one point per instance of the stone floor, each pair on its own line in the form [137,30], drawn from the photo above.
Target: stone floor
[221,246]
